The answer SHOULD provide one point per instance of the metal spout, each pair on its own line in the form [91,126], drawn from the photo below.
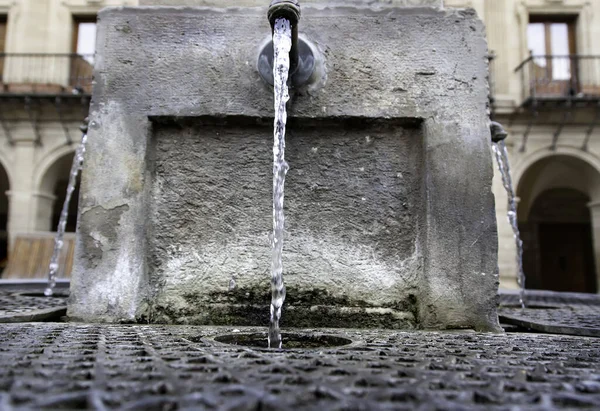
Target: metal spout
[84,126]
[290,10]
[306,63]
[498,132]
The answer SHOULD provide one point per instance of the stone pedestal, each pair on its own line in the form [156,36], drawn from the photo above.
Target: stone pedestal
[390,216]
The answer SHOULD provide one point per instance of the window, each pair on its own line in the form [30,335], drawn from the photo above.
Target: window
[84,37]
[2,34]
[548,35]
[2,43]
[551,43]
[84,46]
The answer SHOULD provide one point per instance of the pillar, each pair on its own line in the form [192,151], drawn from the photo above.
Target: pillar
[44,204]
[21,201]
[594,207]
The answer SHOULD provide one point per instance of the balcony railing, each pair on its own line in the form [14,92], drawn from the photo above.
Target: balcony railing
[560,77]
[38,73]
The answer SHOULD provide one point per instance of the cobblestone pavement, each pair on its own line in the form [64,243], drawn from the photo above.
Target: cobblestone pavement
[137,367]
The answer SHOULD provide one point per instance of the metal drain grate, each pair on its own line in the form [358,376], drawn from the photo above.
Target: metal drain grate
[583,321]
[65,366]
[22,307]
[559,313]
[550,298]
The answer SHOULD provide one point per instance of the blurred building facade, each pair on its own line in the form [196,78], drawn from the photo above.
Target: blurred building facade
[545,89]
[46,62]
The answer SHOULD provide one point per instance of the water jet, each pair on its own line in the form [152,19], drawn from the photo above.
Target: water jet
[501,154]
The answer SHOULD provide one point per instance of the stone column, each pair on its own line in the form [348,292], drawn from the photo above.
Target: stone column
[495,12]
[594,207]
[501,20]
[44,204]
[21,197]
[32,28]
[38,27]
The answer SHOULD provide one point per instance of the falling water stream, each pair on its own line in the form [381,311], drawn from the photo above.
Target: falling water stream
[282,44]
[504,166]
[62,224]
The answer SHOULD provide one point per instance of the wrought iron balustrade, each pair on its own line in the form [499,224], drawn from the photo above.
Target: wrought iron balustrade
[42,73]
[559,77]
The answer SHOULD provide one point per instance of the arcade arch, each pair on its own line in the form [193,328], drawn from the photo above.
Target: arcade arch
[557,215]
[4,210]
[52,189]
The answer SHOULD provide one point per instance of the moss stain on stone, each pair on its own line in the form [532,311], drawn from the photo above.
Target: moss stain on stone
[303,308]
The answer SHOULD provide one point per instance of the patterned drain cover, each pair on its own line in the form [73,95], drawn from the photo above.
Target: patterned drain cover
[315,340]
[551,312]
[27,306]
[551,298]
[101,367]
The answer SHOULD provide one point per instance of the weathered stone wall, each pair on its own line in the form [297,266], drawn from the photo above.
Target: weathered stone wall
[165,189]
[265,3]
[352,206]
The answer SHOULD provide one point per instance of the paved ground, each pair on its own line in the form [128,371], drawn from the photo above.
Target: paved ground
[47,365]
[557,313]
[68,366]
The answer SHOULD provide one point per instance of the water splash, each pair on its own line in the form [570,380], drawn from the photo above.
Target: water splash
[504,166]
[62,223]
[282,44]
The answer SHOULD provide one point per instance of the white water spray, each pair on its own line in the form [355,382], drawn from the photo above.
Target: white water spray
[282,44]
[503,165]
[62,223]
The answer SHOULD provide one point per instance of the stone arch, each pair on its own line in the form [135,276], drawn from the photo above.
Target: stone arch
[49,161]
[51,182]
[5,184]
[520,168]
[557,191]
[4,164]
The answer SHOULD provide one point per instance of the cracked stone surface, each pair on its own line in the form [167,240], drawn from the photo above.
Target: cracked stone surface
[77,366]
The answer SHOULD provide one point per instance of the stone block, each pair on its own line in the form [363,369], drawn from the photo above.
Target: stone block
[390,216]
[265,3]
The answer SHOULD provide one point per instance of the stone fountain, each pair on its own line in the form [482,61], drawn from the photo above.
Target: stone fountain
[390,215]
